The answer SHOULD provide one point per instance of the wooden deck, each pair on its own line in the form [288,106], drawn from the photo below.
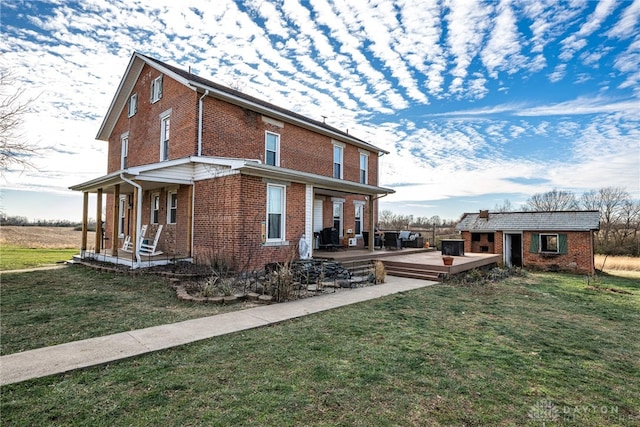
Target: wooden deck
[414,263]
[418,263]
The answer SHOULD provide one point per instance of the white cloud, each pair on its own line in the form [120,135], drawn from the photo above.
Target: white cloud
[371,67]
[577,42]
[627,24]
[558,73]
[502,51]
[467,25]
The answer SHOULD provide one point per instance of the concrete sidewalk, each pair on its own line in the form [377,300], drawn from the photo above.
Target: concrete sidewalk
[95,351]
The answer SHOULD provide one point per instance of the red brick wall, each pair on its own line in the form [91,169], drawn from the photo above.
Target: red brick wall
[231,131]
[579,258]
[144,126]
[229,213]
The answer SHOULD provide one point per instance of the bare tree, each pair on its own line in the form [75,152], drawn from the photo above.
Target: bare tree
[554,200]
[387,219]
[506,207]
[14,148]
[619,217]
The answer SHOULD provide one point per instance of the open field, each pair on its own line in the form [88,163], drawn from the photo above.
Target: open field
[617,263]
[43,237]
[539,349]
[27,247]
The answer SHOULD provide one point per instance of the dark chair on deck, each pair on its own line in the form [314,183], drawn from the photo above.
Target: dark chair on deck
[392,240]
[377,240]
[330,239]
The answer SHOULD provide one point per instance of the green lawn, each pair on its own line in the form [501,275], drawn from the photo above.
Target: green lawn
[16,258]
[43,308]
[533,350]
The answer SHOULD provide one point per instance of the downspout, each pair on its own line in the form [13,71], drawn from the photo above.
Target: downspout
[138,217]
[206,92]
[193,192]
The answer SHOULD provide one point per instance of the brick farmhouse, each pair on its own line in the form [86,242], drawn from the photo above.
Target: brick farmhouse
[218,174]
[556,241]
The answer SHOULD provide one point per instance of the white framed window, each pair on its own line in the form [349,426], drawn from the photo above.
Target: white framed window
[155,208]
[122,208]
[359,210]
[156,89]
[165,133]
[549,243]
[124,150]
[272,149]
[338,160]
[133,105]
[275,212]
[364,168]
[172,207]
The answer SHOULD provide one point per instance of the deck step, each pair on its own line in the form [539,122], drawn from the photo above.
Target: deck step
[415,271]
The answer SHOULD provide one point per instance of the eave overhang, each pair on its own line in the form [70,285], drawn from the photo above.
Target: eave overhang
[188,170]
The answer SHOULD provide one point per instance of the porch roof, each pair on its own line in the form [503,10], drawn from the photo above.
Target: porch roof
[531,221]
[188,170]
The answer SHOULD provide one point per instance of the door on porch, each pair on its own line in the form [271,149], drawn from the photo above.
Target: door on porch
[338,217]
[317,222]
[513,249]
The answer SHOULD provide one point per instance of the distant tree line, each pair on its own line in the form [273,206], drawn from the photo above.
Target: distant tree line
[23,221]
[619,232]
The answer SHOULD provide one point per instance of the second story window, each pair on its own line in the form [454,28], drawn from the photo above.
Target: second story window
[272,149]
[165,133]
[338,156]
[133,105]
[124,153]
[172,207]
[364,168]
[156,89]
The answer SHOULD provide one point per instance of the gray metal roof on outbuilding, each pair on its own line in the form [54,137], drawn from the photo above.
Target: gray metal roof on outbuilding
[531,221]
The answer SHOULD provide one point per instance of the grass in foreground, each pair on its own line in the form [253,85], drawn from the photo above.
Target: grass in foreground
[16,258]
[43,308]
[527,351]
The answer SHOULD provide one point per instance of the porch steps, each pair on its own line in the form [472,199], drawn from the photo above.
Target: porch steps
[360,267]
[415,271]
[364,267]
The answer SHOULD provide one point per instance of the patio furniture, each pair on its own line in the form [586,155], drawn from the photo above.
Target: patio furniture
[149,249]
[377,240]
[411,240]
[127,246]
[330,239]
[392,240]
[453,247]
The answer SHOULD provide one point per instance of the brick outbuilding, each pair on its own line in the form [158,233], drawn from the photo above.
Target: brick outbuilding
[557,241]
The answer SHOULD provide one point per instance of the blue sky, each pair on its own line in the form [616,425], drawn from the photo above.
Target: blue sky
[477,102]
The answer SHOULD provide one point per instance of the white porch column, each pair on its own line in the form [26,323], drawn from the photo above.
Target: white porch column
[308,217]
[372,224]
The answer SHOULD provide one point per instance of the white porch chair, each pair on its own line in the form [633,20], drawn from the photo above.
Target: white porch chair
[149,249]
[127,246]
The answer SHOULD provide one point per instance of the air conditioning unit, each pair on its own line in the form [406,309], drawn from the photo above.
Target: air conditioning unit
[353,241]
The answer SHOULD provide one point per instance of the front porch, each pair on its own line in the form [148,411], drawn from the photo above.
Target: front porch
[127,259]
